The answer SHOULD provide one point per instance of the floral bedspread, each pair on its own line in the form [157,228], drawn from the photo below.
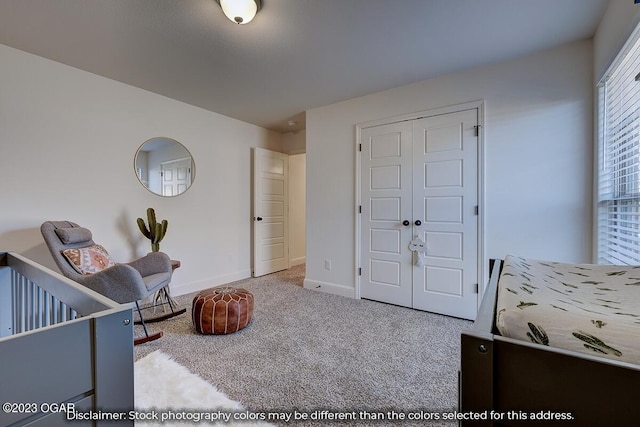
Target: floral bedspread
[589,308]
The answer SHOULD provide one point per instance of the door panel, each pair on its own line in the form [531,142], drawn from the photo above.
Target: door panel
[444,281]
[270,219]
[443,174]
[444,245]
[386,273]
[385,177]
[386,209]
[386,202]
[443,209]
[385,241]
[445,195]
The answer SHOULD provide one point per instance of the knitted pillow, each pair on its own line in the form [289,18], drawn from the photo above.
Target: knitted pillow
[89,260]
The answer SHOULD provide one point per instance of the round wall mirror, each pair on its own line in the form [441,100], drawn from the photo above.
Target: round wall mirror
[164,166]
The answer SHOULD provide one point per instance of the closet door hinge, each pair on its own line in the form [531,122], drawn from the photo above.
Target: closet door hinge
[476,210]
[359,147]
[476,129]
[360,209]
[359,271]
[475,288]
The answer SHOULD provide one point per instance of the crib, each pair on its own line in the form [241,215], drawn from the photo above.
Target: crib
[66,351]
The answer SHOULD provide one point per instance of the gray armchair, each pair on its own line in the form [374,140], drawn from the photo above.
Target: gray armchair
[88,265]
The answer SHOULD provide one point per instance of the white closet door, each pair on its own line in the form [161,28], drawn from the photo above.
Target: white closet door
[386,180]
[445,196]
[420,178]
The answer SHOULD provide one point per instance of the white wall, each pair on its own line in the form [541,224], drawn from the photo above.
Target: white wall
[538,129]
[67,144]
[294,142]
[297,191]
[617,24]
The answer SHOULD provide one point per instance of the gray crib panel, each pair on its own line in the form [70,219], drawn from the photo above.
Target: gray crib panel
[114,363]
[60,419]
[51,365]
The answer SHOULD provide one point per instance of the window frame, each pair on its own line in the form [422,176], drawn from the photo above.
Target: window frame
[617,209]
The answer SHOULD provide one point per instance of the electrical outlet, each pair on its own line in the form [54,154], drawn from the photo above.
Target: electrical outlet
[327,264]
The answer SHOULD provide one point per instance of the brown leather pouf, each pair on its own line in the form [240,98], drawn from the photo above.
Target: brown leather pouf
[222,310]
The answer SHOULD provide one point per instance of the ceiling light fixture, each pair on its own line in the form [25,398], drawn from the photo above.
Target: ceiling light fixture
[240,11]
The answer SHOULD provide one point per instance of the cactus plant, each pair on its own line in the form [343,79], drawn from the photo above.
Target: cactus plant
[156,230]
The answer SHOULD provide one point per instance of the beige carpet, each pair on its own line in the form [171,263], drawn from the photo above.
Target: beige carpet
[307,351]
[167,394]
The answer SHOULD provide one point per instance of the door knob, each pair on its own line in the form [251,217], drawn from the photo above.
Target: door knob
[405,222]
[418,222]
[259,218]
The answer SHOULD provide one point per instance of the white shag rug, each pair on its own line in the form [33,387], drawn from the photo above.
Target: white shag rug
[168,394]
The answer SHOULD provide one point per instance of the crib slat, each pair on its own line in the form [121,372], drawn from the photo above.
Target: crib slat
[29,303]
[34,307]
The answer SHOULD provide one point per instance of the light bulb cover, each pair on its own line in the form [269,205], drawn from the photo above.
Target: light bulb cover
[240,11]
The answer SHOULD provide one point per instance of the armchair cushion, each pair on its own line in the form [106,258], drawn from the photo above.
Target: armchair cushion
[152,263]
[89,260]
[156,281]
[123,283]
[73,235]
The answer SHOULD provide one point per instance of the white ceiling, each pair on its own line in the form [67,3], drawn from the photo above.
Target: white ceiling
[296,54]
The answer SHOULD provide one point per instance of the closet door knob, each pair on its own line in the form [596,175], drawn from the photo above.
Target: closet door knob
[405,222]
[259,218]
[418,222]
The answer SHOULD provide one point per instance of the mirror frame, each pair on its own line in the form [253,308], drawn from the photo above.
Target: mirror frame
[177,152]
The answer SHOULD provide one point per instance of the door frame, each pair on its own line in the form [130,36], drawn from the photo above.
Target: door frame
[481,249]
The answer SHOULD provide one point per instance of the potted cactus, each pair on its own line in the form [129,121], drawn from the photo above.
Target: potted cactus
[156,230]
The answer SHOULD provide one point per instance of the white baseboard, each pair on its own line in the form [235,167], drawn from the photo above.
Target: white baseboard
[199,285]
[330,288]
[297,261]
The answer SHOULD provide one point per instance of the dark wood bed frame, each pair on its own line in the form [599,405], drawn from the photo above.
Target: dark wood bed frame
[515,378]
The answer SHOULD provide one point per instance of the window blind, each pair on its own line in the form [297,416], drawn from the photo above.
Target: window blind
[619,160]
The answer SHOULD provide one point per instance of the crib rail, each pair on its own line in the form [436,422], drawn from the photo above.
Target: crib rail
[82,342]
[33,307]
[31,298]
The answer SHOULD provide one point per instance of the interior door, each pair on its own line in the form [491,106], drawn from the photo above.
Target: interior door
[176,176]
[386,179]
[445,197]
[419,179]
[270,212]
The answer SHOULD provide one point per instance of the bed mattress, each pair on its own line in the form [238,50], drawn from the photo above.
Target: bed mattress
[589,308]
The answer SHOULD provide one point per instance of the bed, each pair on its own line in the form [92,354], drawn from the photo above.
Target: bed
[558,343]
[66,351]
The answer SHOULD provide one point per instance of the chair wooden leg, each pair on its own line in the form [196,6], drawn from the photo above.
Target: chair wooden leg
[147,338]
[163,317]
